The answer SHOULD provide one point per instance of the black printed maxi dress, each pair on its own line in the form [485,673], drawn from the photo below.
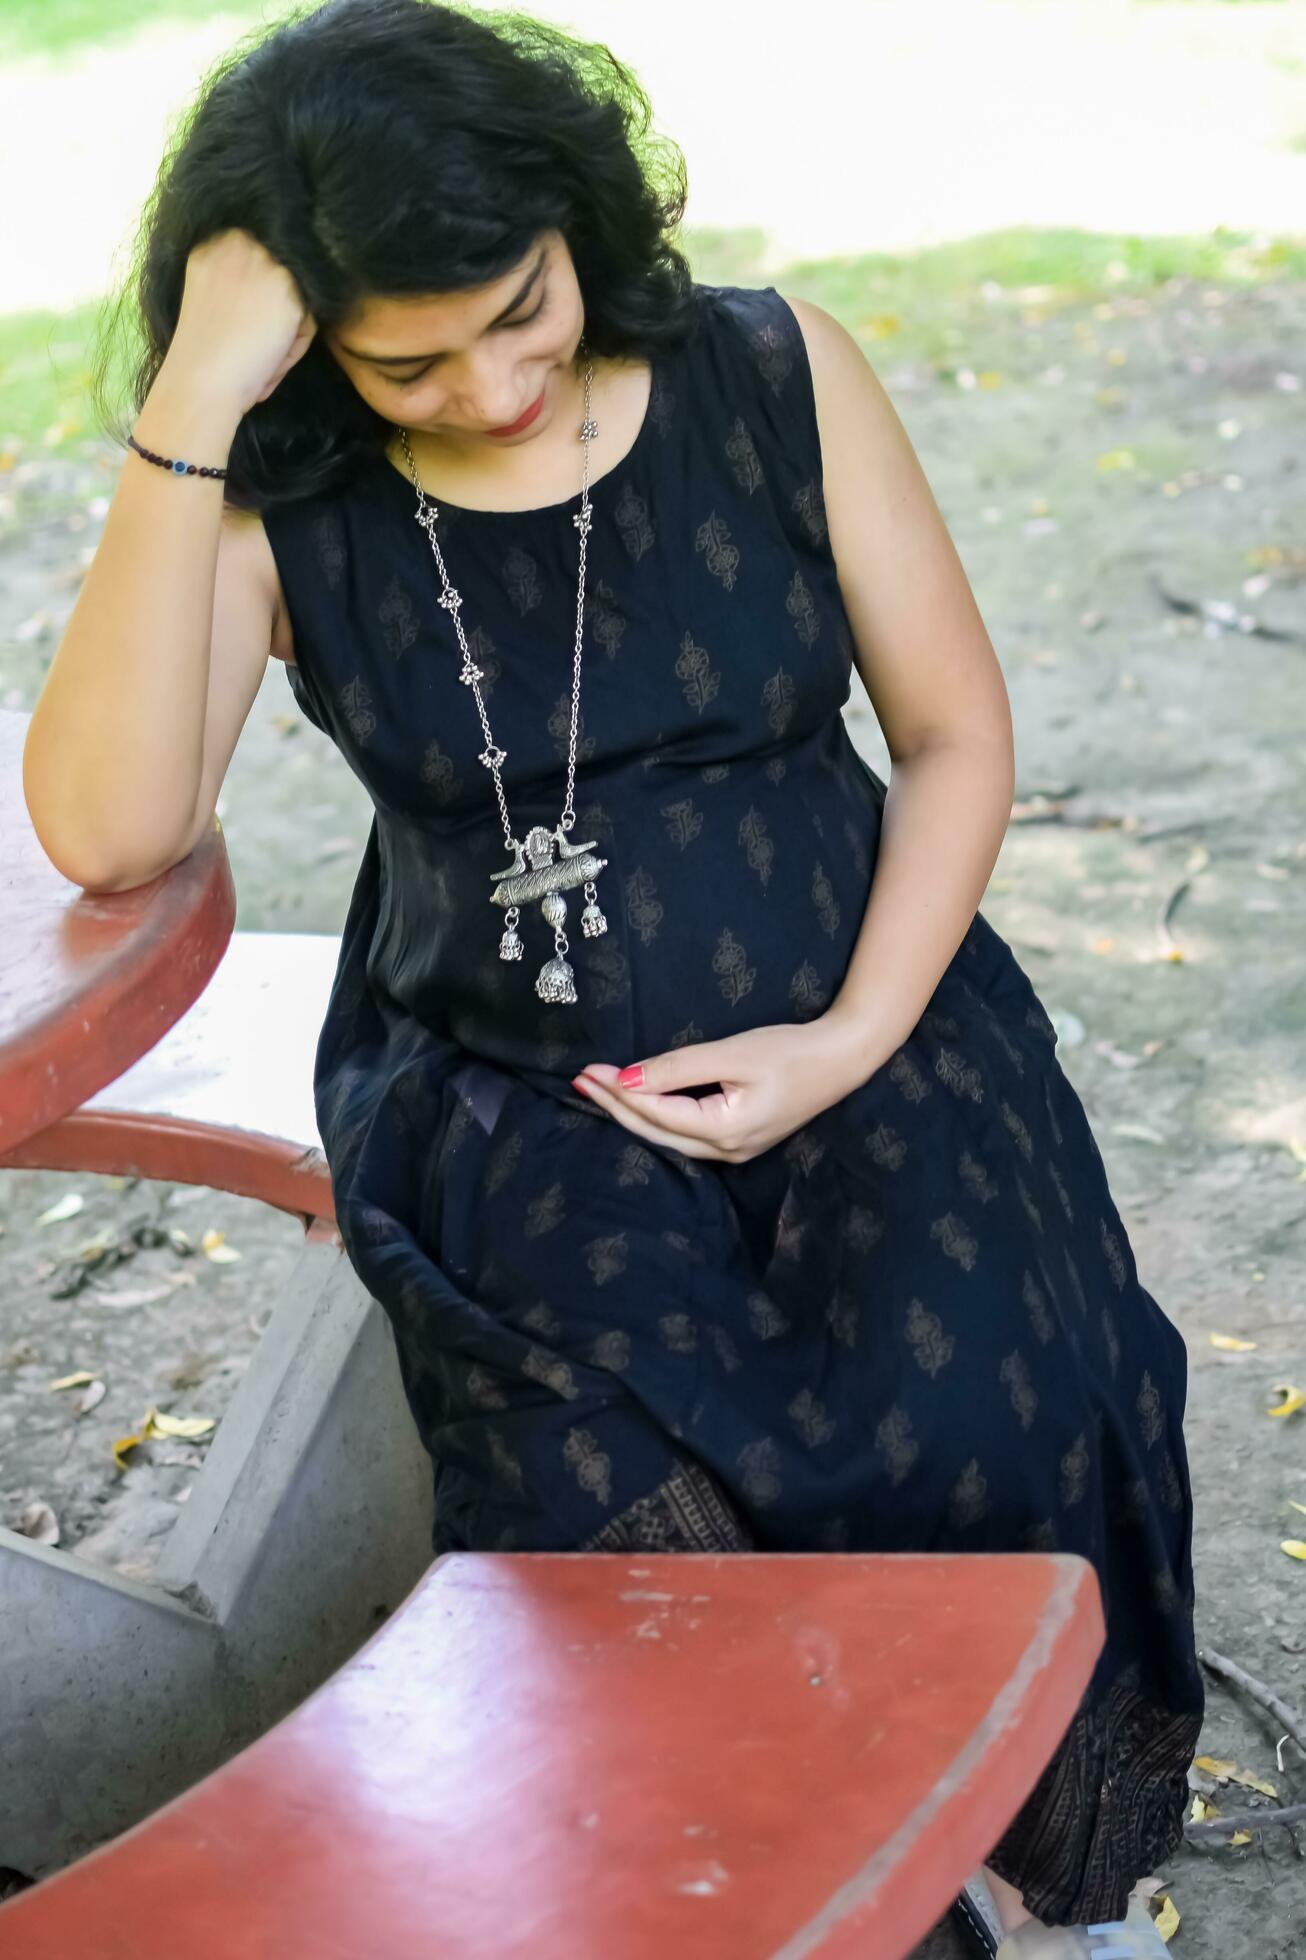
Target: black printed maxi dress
[914,1324]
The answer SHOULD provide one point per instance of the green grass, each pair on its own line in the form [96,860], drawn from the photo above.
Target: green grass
[43,378]
[919,299]
[1077,266]
[915,300]
[60,28]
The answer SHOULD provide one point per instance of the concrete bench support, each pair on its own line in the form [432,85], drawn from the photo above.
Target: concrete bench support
[308,1524]
[311,1518]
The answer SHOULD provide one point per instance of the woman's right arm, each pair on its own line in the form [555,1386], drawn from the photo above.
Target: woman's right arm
[115,750]
[114,762]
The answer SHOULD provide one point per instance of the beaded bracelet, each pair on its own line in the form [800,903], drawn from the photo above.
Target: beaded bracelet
[177,467]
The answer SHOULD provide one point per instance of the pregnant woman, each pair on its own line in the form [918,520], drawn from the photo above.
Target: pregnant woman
[706,1147]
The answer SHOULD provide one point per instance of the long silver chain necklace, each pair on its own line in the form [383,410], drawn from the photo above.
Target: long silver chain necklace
[576,864]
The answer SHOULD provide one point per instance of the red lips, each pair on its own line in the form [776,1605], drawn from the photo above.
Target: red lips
[523,421]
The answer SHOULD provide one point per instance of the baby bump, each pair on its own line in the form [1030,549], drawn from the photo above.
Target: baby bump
[743,889]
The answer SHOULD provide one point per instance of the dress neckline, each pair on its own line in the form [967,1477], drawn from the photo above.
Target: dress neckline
[404,481]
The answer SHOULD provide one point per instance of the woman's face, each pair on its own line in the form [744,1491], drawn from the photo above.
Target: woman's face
[465,366]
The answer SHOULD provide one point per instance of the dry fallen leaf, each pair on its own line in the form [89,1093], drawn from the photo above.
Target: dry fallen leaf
[1251,1782]
[190,1427]
[121,1447]
[79,1380]
[39,1523]
[1232,1342]
[67,1207]
[1294,1399]
[214,1244]
[141,1296]
[1229,1772]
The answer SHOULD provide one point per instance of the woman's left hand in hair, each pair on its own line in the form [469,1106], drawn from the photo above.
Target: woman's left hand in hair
[770,1081]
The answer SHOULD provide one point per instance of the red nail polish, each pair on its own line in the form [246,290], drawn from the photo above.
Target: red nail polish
[632,1077]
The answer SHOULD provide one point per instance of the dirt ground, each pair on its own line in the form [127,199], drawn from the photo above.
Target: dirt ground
[1125,488]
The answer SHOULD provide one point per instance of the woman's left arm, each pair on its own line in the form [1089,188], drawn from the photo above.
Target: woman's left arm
[935,684]
[934,681]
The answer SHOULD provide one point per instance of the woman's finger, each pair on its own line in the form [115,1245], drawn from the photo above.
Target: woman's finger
[690,1116]
[694,1144]
[701,1117]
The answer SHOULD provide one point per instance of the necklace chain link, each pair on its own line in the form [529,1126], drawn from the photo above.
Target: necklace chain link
[556,980]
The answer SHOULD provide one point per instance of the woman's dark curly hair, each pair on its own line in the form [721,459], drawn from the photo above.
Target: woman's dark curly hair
[387,147]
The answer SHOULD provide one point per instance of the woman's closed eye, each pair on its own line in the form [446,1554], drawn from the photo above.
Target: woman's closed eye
[411,380]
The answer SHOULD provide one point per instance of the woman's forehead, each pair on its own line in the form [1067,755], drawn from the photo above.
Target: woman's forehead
[391,326]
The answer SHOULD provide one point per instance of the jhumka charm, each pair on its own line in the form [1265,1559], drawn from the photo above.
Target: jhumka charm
[547,881]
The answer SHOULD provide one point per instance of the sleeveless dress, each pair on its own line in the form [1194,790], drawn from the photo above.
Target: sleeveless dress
[916,1323]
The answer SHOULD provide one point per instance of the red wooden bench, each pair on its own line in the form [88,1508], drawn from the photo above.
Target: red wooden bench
[225,1096]
[563,1755]
[89,983]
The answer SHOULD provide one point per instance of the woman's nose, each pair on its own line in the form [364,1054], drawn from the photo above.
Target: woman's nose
[508,411]
[496,401]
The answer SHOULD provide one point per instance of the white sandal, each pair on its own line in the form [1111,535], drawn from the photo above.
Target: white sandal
[1132,1938]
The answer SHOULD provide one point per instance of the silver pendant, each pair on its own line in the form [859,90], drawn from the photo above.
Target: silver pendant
[547,880]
